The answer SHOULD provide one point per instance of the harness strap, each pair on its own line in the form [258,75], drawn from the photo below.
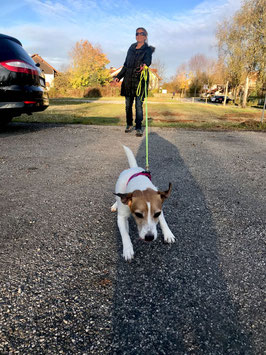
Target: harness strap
[144,173]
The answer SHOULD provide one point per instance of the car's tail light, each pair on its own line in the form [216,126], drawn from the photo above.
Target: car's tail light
[19,66]
[29,102]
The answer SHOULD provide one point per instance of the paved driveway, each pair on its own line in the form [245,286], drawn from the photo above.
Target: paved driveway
[64,287]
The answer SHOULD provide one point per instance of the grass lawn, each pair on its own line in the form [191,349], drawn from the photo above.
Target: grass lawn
[167,113]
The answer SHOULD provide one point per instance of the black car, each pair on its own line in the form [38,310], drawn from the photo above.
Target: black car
[220,99]
[22,85]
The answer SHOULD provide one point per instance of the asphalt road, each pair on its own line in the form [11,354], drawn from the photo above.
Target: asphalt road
[64,286]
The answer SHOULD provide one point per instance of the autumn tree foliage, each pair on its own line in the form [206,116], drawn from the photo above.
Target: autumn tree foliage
[241,43]
[181,80]
[62,80]
[88,65]
[203,71]
[193,75]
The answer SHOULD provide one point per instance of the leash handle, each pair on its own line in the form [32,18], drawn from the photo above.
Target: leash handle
[143,76]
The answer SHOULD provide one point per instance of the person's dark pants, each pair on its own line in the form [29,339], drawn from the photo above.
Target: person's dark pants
[139,111]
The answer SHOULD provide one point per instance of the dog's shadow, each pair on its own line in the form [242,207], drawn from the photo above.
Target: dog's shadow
[173,299]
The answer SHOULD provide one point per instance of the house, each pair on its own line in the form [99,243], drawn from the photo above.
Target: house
[153,81]
[48,71]
[113,73]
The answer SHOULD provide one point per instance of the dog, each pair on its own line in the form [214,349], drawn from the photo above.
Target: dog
[136,195]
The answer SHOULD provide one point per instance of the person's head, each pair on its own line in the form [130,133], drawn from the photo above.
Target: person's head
[141,35]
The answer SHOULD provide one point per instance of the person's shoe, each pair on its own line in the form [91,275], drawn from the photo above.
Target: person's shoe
[129,129]
[139,133]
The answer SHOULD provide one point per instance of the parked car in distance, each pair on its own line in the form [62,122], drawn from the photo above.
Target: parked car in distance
[205,97]
[220,99]
[22,85]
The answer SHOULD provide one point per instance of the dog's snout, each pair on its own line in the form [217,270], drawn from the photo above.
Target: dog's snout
[149,237]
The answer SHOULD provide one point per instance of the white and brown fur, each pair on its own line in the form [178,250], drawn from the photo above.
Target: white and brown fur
[142,199]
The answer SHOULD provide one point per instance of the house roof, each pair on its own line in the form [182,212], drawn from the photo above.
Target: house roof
[46,67]
[155,72]
[114,71]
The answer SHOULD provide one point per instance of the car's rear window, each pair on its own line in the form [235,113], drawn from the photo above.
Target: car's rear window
[11,50]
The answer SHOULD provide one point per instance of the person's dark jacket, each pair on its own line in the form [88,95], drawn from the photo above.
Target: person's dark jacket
[131,69]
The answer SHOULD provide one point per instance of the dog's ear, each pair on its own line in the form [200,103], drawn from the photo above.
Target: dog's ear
[165,194]
[125,198]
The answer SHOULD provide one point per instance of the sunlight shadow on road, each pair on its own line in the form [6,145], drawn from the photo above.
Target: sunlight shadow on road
[173,299]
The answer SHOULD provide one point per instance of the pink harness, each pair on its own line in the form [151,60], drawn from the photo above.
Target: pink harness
[141,173]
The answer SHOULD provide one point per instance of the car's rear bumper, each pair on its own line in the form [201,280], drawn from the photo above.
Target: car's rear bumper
[33,106]
[15,100]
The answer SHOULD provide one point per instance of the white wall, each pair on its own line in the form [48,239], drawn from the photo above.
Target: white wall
[49,78]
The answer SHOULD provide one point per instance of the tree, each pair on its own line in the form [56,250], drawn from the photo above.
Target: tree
[219,75]
[181,79]
[241,43]
[204,71]
[198,64]
[88,65]
[197,72]
[61,84]
[62,80]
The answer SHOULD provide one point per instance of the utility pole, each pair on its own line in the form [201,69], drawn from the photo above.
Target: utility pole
[244,102]
[226,92]
[262,115]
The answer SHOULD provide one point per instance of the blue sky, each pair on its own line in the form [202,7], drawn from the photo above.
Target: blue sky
[178,29]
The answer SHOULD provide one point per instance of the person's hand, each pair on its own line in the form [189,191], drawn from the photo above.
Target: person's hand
[142,67]
[116,80]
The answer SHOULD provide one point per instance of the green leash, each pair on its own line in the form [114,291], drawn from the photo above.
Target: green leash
[144,76]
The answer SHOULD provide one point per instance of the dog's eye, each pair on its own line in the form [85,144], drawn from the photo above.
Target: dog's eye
[157,214]
[138,214]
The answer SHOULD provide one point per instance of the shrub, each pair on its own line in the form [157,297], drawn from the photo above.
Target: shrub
[254,101]
[93,92]
[96,91]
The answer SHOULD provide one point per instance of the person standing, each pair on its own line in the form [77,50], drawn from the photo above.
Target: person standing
[139,54]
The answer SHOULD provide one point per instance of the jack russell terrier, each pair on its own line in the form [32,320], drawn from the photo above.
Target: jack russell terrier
[136,195]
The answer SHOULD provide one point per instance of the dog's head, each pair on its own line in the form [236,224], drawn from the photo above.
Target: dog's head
[146,207]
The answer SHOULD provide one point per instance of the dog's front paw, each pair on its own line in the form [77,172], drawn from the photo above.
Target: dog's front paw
[128,253]
[114,207]
[169,237]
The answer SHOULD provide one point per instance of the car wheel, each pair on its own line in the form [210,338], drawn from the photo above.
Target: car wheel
[4,121]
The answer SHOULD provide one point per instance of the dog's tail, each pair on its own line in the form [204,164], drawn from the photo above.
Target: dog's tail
[130,157]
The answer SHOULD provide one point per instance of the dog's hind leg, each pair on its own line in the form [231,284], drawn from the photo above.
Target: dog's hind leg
[114,207]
